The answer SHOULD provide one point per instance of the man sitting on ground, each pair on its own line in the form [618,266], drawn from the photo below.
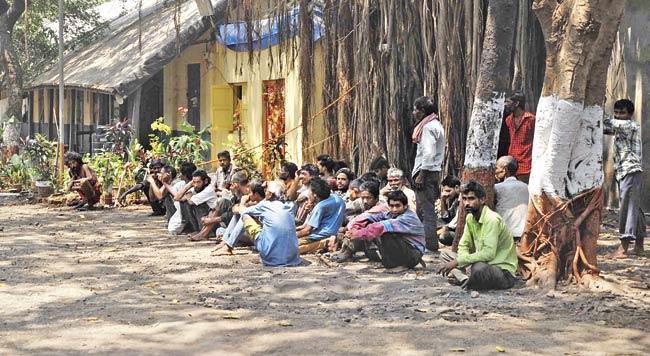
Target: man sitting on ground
[196,199]
[308,172]
[222,212]
[83,181]
[270,226]
[486,256]
[157,207]
[379,166]
[398,232]
[396,182]
[343,178]
[511,196]
[325,219]
[369,192]
[166,177]
[447,208]
[223,174]
[168,194]
[254,193]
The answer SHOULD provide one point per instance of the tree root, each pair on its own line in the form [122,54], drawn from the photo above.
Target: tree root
[554,247]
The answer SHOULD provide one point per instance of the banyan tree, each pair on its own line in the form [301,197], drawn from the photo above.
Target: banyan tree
[378,56]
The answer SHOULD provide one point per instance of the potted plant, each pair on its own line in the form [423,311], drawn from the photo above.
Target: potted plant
[108,167]
[41,154]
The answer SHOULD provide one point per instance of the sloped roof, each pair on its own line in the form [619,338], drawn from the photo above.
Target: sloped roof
[115,64]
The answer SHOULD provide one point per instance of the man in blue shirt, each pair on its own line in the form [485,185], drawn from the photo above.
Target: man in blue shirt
[324,221]
[271,227]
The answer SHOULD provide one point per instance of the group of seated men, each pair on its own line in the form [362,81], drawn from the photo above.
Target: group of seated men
[324,206]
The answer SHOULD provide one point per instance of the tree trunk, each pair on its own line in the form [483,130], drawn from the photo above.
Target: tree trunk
[487,112]
[564,213]
[13,74]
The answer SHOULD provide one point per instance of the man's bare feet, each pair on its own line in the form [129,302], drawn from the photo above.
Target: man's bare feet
[620,252]
[197,237]
[222,250]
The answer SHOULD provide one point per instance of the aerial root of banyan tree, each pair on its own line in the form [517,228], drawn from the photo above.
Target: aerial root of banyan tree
[561,230]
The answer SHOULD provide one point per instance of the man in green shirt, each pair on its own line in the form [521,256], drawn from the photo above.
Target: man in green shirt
[486,257]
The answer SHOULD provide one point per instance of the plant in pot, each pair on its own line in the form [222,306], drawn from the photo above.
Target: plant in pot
[41,154]
[108,167]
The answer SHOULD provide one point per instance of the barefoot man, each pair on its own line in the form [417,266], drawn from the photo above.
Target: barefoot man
[83,181]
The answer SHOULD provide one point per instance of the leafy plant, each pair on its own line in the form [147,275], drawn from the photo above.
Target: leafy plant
[41,154]
[16,173]
[108,166]
[118,136]
[188,146]
[244,158]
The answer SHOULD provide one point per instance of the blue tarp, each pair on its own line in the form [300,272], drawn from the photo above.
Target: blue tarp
[266,32]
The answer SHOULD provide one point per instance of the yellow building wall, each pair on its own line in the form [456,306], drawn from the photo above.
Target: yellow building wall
[221,68]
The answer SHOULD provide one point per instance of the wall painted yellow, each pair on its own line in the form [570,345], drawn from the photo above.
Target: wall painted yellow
[220,69]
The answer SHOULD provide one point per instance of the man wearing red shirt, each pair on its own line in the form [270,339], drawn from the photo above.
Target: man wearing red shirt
[521,126]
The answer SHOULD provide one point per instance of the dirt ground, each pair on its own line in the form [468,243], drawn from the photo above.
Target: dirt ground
[113,282]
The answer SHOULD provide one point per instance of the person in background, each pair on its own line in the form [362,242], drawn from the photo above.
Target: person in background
[628,165]
[396,181]
[447,208]
[83,181]
[343,178]
[158,209]
[511,196]
[521,129]
[308,172]
[223,174]
[429,138]
[380,167]
[325,219]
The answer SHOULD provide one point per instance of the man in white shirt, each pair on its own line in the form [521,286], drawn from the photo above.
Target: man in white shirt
[196,199]
[168,193]
[429,136]
[395,179]
[511,196]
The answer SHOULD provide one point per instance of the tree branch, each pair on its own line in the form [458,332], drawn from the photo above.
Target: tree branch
[14,12]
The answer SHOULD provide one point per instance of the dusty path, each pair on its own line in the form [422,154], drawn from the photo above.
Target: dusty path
[111,282]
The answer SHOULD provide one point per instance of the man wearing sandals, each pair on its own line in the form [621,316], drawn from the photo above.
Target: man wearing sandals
[486,257]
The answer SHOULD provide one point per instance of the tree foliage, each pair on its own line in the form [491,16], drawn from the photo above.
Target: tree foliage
[35,36]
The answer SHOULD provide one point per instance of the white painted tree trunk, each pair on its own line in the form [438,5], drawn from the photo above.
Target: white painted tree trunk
[567,148]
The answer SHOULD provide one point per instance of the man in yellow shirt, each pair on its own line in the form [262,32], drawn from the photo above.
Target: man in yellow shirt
[486,257]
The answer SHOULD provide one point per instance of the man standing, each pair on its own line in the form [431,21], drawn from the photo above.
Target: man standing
[511,196]
[627,163]
[486,257]
[521,126]
[429,136]
[396,182]
[398,232]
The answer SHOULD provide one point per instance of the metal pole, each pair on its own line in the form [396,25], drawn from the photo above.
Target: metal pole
[61,95]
